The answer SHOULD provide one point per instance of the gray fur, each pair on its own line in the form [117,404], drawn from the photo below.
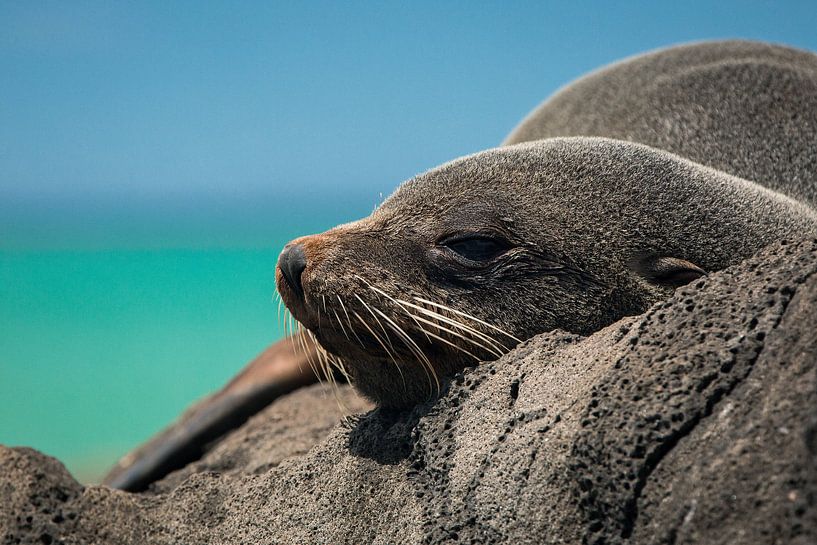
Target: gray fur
[592,222]
[746,108]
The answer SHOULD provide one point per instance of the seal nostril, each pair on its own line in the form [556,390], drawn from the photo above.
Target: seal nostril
[292,263]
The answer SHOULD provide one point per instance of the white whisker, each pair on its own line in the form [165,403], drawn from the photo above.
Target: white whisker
[351,328]
[340,323]
[306,351]
[382,345]
[384,294]
[459,336]
[452,345]
[376,319]
[498,348]
[469,317]
[414,348]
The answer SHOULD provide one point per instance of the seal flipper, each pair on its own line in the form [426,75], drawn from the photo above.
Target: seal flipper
[670,272]
[280,369]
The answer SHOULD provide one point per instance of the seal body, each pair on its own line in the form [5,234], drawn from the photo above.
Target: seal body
[745,108]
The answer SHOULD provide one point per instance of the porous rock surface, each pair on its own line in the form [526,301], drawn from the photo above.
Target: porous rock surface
[693,423]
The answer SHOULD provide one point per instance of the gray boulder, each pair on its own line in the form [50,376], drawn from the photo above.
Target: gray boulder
[695,422]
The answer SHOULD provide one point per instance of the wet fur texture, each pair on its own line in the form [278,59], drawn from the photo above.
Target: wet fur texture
[598,225]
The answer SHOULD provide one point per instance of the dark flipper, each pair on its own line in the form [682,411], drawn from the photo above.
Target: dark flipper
[280,369]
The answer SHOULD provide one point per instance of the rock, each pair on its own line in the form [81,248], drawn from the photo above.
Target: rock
[693,423]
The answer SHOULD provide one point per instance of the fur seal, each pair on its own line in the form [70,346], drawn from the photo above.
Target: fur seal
[688,160]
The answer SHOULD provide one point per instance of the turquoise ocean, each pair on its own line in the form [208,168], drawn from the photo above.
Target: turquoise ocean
[112,321]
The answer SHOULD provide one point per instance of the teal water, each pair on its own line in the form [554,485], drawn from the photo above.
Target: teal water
[103,344]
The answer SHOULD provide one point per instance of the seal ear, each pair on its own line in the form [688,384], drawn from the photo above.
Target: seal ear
[669,272]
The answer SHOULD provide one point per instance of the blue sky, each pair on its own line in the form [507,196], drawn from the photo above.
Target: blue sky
[164,104]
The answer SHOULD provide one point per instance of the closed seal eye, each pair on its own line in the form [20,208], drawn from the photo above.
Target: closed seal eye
[477,248]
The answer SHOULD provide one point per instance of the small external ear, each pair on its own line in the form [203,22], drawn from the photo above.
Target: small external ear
[669,272]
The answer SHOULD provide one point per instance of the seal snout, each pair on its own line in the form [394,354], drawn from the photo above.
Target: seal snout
[292,263]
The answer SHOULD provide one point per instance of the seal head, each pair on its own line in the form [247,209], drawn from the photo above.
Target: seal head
[466,260]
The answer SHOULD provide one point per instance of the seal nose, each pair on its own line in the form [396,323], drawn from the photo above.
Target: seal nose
[292,263]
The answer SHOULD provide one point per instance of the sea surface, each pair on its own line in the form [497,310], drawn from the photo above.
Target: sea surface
[112,323]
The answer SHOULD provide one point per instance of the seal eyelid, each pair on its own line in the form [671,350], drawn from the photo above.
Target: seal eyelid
[476,247]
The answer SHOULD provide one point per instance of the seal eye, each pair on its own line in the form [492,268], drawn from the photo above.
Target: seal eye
[477,248]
